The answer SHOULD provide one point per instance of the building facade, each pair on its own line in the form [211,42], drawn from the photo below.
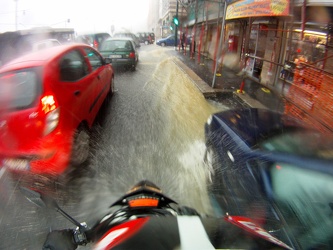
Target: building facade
[281,41]
[161,16]
[166,9]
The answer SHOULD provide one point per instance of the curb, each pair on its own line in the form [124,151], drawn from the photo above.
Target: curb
[203,87]
[252,103]
[208,91]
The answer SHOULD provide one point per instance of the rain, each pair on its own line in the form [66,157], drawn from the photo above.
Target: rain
[154,126]
[153,129]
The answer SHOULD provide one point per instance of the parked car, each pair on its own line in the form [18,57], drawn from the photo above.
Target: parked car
[49,100]
[146,37]
[15,44]
[44,44]
[128,35]
[167,41]
[269,167]
[94,40]
[120,52]
[170,41]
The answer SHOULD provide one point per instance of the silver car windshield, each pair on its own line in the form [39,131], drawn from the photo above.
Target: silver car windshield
[304,143]
[304,197]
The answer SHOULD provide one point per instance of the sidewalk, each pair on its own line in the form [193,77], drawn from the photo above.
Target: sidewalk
[202,74]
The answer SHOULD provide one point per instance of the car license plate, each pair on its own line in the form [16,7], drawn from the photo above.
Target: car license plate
[16,164]
[115,56]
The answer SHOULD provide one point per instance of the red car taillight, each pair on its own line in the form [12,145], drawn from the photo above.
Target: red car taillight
[95,44]
[51,110]
[48,103]
[132,55]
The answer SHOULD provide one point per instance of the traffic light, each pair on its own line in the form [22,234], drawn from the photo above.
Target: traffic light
[175,20]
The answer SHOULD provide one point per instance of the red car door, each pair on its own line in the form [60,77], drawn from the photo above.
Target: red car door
[101,77]
[73,89]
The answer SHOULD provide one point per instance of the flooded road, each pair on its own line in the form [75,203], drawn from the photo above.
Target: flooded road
[153,129]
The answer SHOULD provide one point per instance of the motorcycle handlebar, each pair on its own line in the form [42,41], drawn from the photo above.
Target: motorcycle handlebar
[80,236]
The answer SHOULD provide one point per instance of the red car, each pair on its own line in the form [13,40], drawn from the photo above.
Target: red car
[48,102]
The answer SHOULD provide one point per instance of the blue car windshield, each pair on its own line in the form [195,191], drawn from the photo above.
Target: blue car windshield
[304,143]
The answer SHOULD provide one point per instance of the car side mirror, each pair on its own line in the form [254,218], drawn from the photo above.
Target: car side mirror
[107,60]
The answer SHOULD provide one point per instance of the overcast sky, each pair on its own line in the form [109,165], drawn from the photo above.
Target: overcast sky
[84,16]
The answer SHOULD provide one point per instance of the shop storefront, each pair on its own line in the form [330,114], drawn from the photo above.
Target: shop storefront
[203,24]
[262,44]
[309,40]
[308,68]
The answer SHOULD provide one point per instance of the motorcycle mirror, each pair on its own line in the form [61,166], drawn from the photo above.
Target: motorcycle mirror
[37,199]
[47,202]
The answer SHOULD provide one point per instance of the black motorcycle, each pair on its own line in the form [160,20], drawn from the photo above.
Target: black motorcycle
[145,218]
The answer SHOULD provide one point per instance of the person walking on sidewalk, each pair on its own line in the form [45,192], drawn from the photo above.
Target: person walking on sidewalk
[183,40]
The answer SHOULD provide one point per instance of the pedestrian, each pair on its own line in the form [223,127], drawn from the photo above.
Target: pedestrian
[183,40]
[193,47]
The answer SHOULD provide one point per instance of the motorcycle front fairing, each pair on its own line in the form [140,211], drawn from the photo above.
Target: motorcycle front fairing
[181,232]
[145,218]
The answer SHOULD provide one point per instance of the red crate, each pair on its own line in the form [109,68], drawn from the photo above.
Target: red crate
[301,96]
[307,119]
[310,98]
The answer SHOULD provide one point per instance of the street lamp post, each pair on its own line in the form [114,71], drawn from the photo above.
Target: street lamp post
[220,43]
[176,25]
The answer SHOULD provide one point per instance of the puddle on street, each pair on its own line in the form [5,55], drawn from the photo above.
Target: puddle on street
[166,143]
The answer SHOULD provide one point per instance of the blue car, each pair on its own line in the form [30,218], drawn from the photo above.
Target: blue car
[170,41]
[270,167]
[167,41]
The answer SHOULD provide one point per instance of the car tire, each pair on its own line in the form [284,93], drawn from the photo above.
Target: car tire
[163,44]
[112,86]
[111,92]
[81,146]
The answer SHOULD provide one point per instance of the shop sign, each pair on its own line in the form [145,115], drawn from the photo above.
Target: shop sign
[256,8]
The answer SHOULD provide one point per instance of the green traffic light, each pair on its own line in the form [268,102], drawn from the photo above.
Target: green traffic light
[175,21]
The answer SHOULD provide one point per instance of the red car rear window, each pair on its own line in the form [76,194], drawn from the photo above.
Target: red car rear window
[18,90]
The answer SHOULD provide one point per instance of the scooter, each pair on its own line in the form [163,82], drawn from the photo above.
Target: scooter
[145,218]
